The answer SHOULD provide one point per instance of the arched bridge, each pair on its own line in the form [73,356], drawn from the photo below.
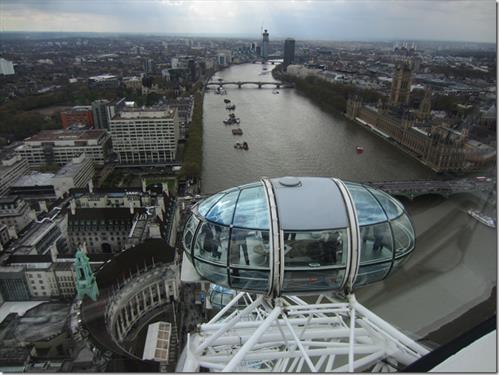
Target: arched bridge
[414,188]
[260,84]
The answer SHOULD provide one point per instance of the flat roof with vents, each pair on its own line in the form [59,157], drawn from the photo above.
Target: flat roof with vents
[157,346]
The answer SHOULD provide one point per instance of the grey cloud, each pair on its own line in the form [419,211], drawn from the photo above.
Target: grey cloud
[380,19]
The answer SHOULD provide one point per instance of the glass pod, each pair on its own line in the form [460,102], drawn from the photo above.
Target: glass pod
[294,235]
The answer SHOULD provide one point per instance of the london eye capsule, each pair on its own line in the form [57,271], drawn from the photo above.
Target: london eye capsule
[304,235]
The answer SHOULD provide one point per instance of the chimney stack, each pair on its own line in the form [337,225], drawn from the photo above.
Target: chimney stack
[91,186]
[132,209]
[72,204]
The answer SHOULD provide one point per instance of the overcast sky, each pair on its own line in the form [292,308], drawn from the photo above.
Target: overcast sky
[329,20]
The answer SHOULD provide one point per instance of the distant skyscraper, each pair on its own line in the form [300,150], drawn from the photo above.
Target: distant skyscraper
[265,45]
[6,67]
[148,66]
[253,46]
[258,51]
[401,84]
[289,52]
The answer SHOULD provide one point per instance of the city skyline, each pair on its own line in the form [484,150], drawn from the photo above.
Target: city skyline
[467,21]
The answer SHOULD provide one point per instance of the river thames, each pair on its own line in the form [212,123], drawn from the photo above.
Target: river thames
[453,267]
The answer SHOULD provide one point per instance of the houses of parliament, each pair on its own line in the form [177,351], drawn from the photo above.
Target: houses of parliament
[432,141]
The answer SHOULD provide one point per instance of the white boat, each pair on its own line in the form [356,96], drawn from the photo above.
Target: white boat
[486,220]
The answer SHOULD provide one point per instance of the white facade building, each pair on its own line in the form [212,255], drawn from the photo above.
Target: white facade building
[51,279]
[61,146]
[145,135]
[6,67]
[224,58]
[41,280]
[77,173]
[10,170]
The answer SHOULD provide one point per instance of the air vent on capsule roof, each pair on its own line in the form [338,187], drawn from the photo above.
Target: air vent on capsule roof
[289,181]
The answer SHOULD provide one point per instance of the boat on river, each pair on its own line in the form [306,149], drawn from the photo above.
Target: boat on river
[484,219]
[232,119]
[359,149]
[230,107]
[241,146]
[220,91]
[237,131]
[226,101]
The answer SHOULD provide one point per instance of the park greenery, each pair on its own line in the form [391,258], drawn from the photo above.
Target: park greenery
[193,153]
[328,95]
[19,118]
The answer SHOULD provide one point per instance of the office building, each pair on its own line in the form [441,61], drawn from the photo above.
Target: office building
[79,116]
[10,170]
[61,146]
[221,60]
[6,67]
[102,230]
[289,52]
[224,58]
[147,135]
[43,238]
[36,188]
[134,82]
[401,85]
[265,44]
[77,173]
[100,113]
[148,66]
[15,213]
[13,284]
[104,81]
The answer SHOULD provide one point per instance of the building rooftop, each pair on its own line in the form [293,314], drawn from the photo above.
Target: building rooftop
[72,168]
[114,213]
[102,77]
[32,236]
[8,199]
[34,179]
[66,135]
[163,112]
[79,108]
[40,323]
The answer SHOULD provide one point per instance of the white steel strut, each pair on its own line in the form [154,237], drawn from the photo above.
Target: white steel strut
[287,334]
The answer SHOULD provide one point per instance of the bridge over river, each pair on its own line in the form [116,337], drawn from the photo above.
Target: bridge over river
[414,188]
[260,84]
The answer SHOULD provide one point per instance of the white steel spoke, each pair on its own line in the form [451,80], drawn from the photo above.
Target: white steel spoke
[285,334]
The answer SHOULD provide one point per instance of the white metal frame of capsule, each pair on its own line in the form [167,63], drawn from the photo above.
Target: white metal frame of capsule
[276,236]
[286,334]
